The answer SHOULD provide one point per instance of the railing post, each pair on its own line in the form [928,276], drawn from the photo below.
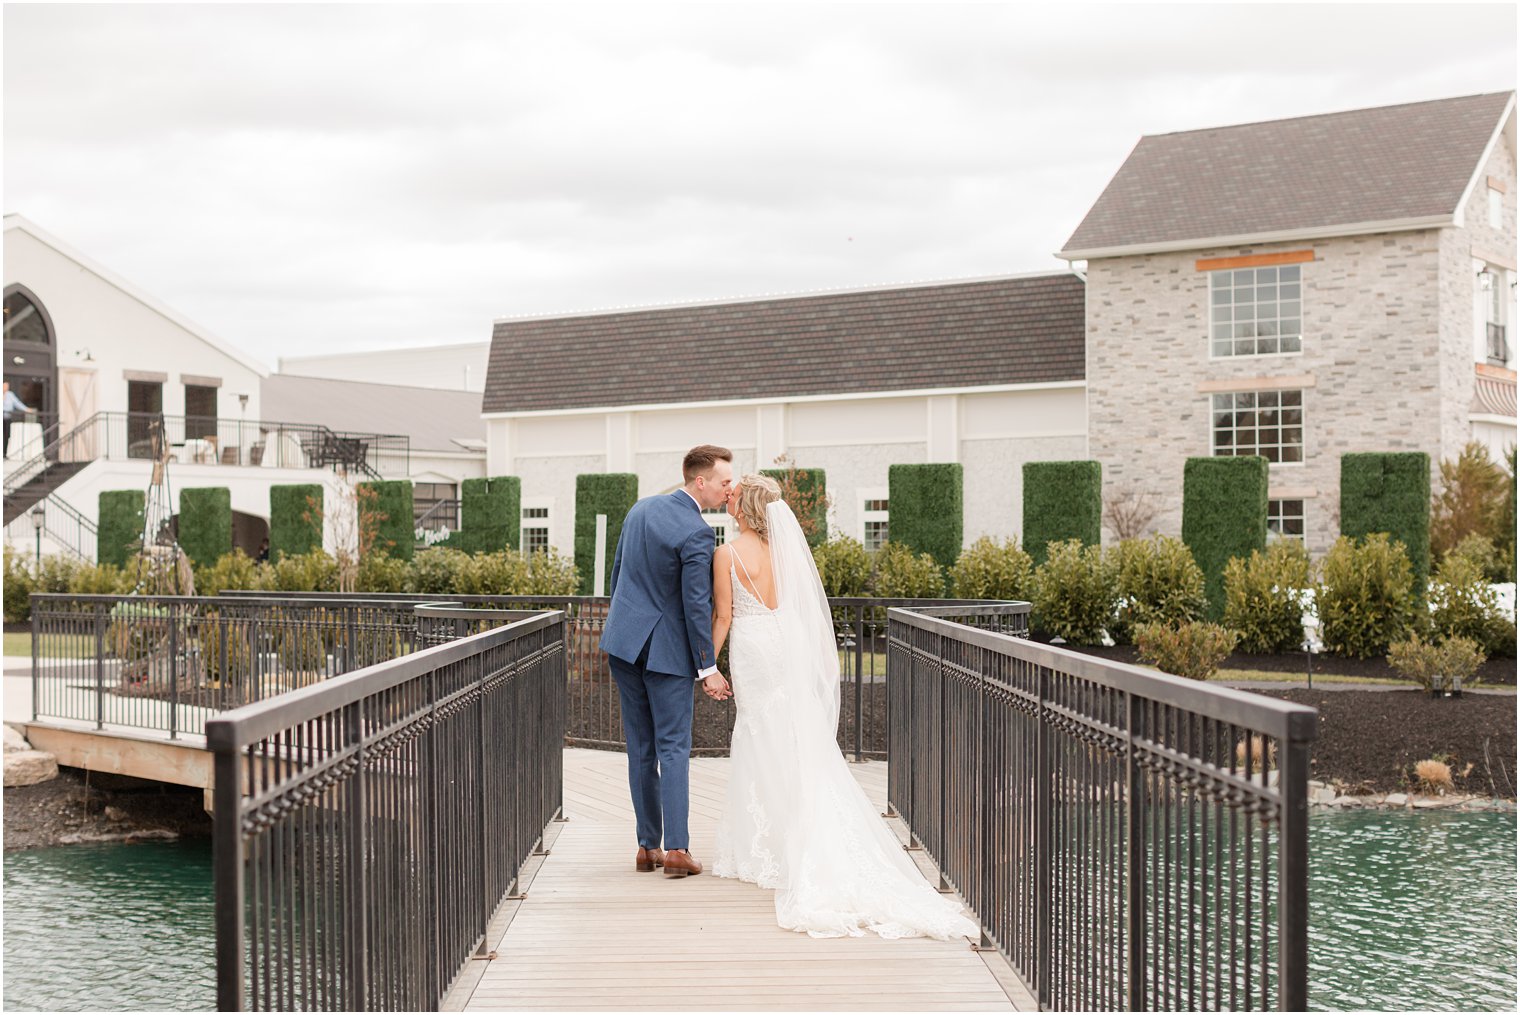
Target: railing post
[173,672]
[357,934]
[1045,800]
[100,666]
[227,876]
[37,655]
[1134,867]
[1293,869]
[860,635]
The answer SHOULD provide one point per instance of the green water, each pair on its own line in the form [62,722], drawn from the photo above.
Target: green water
[1407,911]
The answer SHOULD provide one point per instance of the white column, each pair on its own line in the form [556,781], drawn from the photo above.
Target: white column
[599,580]
[770,434]
[944,428]
[500,454]
[620,442]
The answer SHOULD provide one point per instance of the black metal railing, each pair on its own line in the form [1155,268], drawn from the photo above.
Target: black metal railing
[367,828]
[1498,345]
[66,527]
[1127,839]
[31,432]
[204,440]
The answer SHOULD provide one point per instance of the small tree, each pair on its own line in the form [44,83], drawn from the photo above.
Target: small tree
[805,492]
[355,523]
[1129,514]
[1471,501]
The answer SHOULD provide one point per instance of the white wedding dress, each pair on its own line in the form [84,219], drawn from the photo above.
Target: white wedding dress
[795,819]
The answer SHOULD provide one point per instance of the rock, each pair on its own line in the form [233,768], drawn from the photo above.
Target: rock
[75,838]
[26,768]
[115,814]
[1396,799]
[14,741]
[1321,794]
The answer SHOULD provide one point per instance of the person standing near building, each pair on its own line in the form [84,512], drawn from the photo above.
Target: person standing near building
[13,407]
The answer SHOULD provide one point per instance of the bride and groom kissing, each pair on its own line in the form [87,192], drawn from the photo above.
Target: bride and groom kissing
[794,818]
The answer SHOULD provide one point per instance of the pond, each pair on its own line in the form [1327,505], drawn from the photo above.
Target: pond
[1407,911]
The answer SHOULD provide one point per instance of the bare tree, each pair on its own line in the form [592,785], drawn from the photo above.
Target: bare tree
[1128,514]
[355,526]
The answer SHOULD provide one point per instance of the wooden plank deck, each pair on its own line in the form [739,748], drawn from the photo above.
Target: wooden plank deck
[593,934]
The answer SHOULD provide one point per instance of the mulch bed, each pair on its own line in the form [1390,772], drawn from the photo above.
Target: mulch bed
[42,815]
[1498,670]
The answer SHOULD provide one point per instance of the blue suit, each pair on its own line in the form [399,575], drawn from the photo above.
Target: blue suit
[658,636]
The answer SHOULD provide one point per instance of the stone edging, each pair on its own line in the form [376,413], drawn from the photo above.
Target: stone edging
[1327,797]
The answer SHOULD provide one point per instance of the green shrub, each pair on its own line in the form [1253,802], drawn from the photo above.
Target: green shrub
[233,571]
[385,518]
[205,524]
[1435,665]
[18,588]
[1462,602]
[1365,598]
[610,494]
[100,580]
[435,571]
[490,514]
[844,567]
[1076,593]
[902,574]
[1224,515]
[229,637]
[502,573]
[1389,492]
[295,519]
[120,526]
[1062,500]
[56,574]
[550,574]
[1158,584]
[1264,597]
[1192,650]
[989,569]
[1499,637]
[1506,521]
[315,571]
[806,492]
[927,513]
[1471,505]
[380,572]
[301,648]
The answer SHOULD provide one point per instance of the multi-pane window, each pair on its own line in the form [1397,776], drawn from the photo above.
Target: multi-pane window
[200,411]
[434,506]
[1285,519]
[1266,423]
[1256,311]
[534,534]
[718,520]
[873,514]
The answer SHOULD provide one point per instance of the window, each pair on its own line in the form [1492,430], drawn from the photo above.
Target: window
[145,403]
[1491,281]
[1285,519]
[200,411]
[1495,209]
[533,536]
[435,507]
[873,521]
[1266,423]
[1256,311]
[719,519]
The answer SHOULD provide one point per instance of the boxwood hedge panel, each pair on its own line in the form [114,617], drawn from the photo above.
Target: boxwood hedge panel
[1062,500]
[395,535]
[295,519]
[603,493]
[205,523]
[1389,492]
[491,511]
[121,525]
[925,509]
[1224,515]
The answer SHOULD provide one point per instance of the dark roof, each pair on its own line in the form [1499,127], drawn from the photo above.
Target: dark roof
[955,334]
[1310,173]
[431,417]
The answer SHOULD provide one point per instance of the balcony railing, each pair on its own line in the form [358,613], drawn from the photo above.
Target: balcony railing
[1498,344]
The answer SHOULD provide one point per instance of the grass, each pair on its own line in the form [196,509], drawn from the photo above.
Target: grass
[19,644]
[1288,677]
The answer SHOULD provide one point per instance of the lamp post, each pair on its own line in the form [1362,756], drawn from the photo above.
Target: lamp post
[242,411]
[39,518]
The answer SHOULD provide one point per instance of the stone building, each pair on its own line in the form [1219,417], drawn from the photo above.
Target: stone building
[1299,289]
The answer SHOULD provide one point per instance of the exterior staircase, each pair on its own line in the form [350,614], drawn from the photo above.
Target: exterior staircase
[38,486]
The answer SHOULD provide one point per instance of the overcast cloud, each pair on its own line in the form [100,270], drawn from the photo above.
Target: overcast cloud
[309,179]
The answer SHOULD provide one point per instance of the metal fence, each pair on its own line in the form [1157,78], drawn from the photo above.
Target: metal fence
[368,827]
[1127,839]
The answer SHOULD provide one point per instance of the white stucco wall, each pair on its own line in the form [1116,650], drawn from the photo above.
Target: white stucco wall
[455,367]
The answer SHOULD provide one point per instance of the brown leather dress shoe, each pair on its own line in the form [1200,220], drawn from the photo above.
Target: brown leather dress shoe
[679,863]
[648,859]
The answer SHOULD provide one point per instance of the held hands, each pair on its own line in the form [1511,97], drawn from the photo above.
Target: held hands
[716,688]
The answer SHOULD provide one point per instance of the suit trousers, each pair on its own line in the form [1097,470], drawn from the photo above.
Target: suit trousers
[657,728]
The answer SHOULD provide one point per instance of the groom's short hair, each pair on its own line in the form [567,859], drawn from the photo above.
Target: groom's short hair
[700,460]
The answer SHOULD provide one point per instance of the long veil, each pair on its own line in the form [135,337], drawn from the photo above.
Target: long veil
[802,610]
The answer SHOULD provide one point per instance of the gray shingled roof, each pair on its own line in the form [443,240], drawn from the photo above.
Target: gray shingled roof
[956,334]
[1310,173]
[431,417]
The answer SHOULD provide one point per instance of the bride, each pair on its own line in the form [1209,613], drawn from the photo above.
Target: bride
[795,819]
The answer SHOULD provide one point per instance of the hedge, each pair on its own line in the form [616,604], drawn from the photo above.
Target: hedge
[491,514]
[926,509]
[606,493]
[395,535]
[205,523]
[294,526]
[1224,515]
[1062,500]
[811,487]
[1389,492]
[120,527]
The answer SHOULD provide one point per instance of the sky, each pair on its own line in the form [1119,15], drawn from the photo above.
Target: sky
[310,179]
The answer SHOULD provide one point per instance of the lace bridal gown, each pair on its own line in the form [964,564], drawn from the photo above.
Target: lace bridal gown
[795,819]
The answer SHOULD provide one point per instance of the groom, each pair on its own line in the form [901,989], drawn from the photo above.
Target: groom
[658,640]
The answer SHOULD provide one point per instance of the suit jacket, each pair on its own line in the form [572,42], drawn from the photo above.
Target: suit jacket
[662,587]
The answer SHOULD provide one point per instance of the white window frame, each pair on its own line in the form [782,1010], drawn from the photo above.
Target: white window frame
[1303,426]
[864,496]
[535,504]
[1494,294]
[1495,208]
[1209,311]
[1302,517]
[722,523]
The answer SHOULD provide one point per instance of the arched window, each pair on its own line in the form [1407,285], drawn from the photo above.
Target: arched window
[25,321]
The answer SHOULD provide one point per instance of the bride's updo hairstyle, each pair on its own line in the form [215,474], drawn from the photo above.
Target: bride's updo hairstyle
[755,492]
